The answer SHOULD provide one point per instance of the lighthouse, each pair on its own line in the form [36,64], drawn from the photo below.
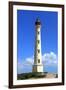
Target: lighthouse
[37,66]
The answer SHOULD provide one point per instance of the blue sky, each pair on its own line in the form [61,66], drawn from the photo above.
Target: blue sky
[26,39]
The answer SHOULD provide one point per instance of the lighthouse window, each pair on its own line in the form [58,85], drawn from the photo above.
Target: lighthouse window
[38,60]
[38,51]
[38,32]
[38,41]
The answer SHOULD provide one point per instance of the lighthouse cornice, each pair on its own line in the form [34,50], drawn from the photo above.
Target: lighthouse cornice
[38,26]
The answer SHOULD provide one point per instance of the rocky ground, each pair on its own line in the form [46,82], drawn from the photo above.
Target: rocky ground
[50,75]
[36,75]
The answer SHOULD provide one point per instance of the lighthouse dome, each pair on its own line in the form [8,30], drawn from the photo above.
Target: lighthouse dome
[37,22]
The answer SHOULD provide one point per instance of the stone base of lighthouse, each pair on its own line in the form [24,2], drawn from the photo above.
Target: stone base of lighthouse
[37,68]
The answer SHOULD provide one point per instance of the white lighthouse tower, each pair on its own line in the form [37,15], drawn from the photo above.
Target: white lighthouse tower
[37,67]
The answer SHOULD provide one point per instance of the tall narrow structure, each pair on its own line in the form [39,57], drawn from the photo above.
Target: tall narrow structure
[37,67]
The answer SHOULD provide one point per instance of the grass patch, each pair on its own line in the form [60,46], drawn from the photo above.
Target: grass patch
[30,75]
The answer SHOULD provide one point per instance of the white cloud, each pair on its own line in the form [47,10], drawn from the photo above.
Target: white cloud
[30,60]
[24,66]
[49,56]
[48,59]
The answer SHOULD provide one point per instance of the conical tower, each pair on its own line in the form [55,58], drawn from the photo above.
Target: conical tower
[37,67]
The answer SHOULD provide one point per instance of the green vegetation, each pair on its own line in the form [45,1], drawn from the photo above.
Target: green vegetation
[30,75]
